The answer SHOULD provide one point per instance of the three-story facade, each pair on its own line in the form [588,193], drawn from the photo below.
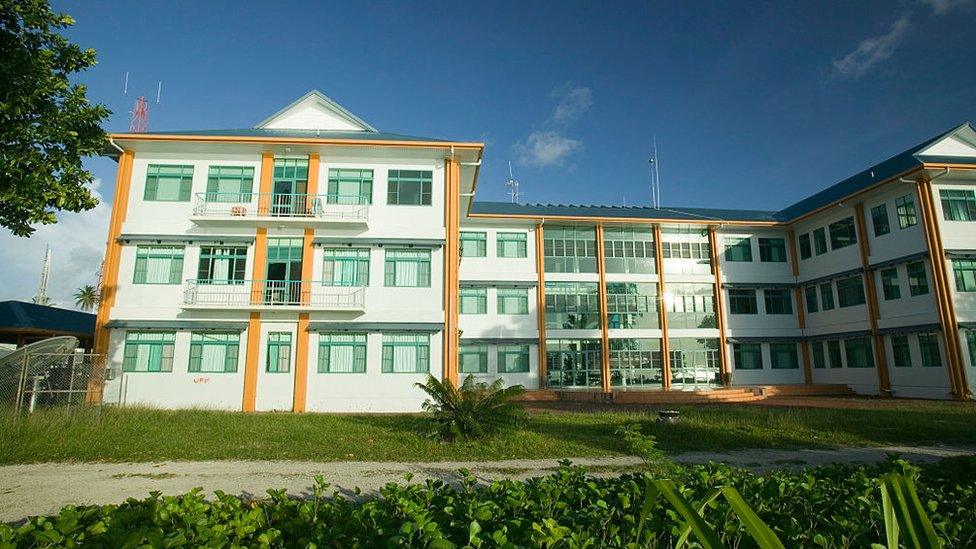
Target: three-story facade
[313,263]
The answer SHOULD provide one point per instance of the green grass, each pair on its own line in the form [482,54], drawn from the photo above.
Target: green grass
[152,435]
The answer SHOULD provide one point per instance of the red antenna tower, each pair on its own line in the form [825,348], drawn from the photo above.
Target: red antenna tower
[139,123]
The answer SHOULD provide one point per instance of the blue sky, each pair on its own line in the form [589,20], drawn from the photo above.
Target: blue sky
[754,105]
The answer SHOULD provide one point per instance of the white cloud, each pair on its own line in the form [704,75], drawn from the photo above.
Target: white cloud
[77,243]
[545,148]
[872,51]
[941,7]
[550,146]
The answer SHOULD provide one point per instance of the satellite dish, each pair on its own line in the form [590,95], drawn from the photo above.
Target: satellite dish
[40,357]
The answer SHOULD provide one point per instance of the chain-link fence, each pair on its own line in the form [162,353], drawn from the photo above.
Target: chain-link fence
[55,380]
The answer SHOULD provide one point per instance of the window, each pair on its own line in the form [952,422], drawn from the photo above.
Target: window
[833,350]
[928,345]
[826,296]
[859,353]
[819,241]
[513,359]
[278,359]
[889,284]
[819,361]
[407,268]
[474,244]
[971,343]
[965,274]
[574,362]
[632,305]
[918,284]
[345,267]
[512,301]
[804,240]
[350,186]
[905,209]
[778,301]
[223,265]
[473,359]
[738,249]
[289,189]
[406,353]
[409,187]
[688,250]
[810,293]
[742,301]
[747,356]
[635,362]
[958,205]
[850,292]
[879,218]
[158,265]
[214,352]
[148,352]
[628,250]
[901,351]
[511,245]
[165,183]
[473,301]
[692,306]
[342,354]
[230,183]
[772,250]
[572,305]
[782,356]
[569,249]
[842,233]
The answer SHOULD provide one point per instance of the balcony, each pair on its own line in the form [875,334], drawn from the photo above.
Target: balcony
[270,294]
[276,208]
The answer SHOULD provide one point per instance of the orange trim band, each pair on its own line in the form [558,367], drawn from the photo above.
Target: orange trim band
[540,304]
[251,363]
[880,355]
[662,313]
[601,269]
[300,396]
[725,368]
[297,141]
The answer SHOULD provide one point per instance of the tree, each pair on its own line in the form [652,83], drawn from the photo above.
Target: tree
[473,410]
[46,123]
[86,297]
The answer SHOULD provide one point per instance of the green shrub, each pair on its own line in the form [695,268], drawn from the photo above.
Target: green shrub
[640,444]
[835,506]
[475,410]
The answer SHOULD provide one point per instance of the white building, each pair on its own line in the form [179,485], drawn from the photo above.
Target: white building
[313,263]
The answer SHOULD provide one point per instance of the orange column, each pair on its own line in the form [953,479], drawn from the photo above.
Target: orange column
[880,356]
[723,343]
[801,317]
[251,362]
[312,188]
[601,269]
[110,267]
[452,260]
[942,290]
[540,303]
[264,185]
[300,396]
[259,265]
[661,309]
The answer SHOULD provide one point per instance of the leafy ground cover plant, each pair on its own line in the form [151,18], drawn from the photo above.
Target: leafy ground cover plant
[835,506]
[473,410]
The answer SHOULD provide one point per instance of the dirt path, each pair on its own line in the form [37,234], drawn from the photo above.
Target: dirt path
[44,488]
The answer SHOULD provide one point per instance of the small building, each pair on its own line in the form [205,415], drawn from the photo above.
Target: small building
[22,323]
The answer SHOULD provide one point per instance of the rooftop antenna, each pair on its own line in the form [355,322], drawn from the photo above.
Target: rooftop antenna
[512,184]
[655,179]
[139,121]
[159,91]
[41,298]
[125,84]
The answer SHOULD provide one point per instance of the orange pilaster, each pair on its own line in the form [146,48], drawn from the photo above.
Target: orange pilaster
[880,356]
[662,309]
[540,303]
[601,269]
[801,317]
[723,352]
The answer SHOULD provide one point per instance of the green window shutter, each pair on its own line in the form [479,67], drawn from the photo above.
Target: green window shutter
[139,275]
[387,359]
[152,186]
[196,357]
[176,270]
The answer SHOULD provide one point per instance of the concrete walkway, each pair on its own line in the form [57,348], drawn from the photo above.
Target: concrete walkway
[43,488]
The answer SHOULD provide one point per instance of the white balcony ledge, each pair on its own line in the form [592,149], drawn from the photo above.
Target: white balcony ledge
[271,295]
[263,208]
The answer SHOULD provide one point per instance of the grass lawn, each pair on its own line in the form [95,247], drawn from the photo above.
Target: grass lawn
[134,434]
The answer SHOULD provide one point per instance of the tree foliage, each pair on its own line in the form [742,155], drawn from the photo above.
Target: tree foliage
[47,123]
[86,297]
[474,410]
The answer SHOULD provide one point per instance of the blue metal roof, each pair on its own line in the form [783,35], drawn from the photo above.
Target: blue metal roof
[622,212]
[315,134]
[20,315]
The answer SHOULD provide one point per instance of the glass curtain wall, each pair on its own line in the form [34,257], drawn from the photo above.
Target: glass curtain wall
[573,363]
[694,363]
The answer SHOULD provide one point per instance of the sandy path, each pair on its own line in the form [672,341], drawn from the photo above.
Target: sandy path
[43,488]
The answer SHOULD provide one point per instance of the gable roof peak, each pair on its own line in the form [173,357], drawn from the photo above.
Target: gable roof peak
[315,111]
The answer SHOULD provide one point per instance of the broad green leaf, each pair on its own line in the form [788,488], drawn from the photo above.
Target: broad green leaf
[706,534]
[763,534]
[686,529]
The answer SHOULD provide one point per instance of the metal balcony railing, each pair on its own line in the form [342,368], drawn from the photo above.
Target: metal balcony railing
[324,207]
[259,293]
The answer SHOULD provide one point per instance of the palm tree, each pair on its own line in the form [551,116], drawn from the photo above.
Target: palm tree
[86,297]
[473,410]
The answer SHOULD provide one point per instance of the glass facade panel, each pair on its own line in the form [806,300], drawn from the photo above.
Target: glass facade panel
[635,363]
[694,363]
[691,305]
[572,305]
[632,305]
[628,250]
[569,249]
[573,363]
